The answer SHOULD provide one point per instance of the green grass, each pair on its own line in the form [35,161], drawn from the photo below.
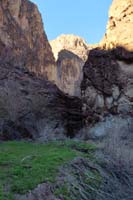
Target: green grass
[24,165]
[83,147]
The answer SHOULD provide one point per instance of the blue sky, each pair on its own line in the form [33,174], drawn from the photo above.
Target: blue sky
[86,18]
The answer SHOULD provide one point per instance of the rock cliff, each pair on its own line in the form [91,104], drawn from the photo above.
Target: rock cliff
[120,25]
[107,86]
[22,38]
[107,83]
[30,106]
[69,72]
[72,43]
[71,52]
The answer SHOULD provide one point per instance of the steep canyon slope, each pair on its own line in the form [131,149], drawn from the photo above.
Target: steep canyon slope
[30,106]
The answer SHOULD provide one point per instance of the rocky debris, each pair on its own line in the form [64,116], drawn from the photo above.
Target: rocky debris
[107,86]
[23,41]
[83,179]
[71,52]
[32,107]
[42,192]
[120,25]
[118,126]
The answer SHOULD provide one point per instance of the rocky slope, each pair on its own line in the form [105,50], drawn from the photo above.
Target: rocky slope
[71,52]
[120,25]
[22,38]
[32,107]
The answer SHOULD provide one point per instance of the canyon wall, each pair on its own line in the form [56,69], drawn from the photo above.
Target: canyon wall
[107,86]
[70,52]
[30,105]
[22,38]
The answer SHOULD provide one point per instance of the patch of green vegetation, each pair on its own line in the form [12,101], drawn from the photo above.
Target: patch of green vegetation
[62,191]
[83,147]
[24,165]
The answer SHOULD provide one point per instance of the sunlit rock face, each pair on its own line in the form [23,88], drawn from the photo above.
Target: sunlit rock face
[23,39]
[70,52]
[72,43]
[120,25]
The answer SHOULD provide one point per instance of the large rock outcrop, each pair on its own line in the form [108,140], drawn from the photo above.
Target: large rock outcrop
[23,41]
[71,52]
[107,86]
[120,25]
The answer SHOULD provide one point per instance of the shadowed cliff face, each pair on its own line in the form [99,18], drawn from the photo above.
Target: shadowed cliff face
[22,38]
[107,86]
[69,72]
[31,106]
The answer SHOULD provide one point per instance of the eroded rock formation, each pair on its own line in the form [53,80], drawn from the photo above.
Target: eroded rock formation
[23,41]
[120,25]
[71,52]
[107,86]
